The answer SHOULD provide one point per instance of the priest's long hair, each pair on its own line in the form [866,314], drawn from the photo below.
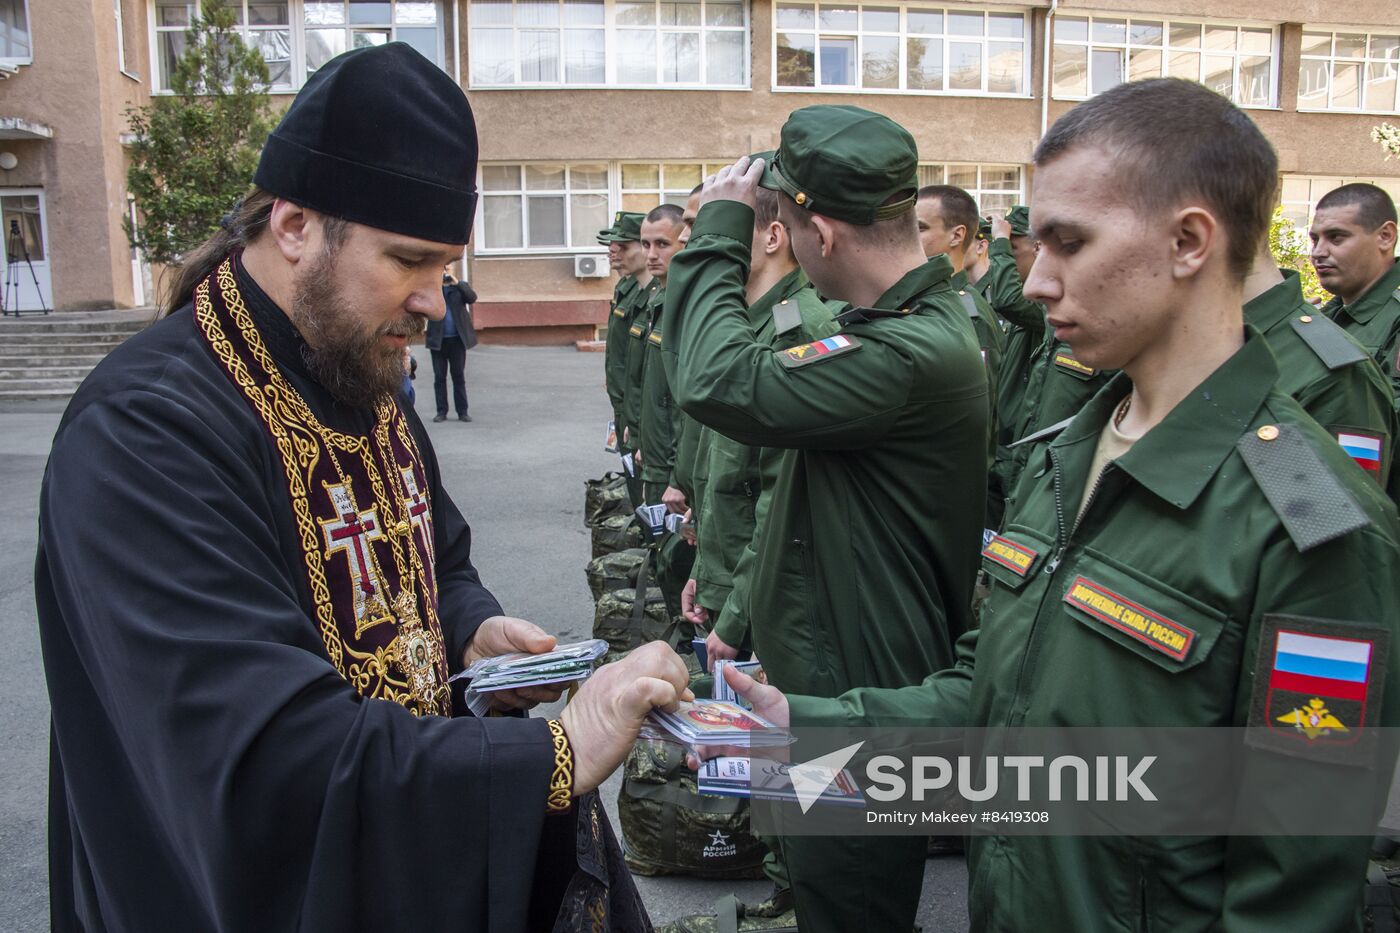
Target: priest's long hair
[244,221]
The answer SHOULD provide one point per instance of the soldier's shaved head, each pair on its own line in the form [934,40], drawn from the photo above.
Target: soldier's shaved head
[1174,141]
[1374,206]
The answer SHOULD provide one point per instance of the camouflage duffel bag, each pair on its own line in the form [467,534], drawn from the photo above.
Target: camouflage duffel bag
[605,496]
[616,533]
[668,828]
[614,571]
[624,625]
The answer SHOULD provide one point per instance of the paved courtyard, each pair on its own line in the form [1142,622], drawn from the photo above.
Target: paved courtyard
[516,471]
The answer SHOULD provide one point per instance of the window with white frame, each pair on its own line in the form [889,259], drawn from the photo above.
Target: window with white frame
[295,37]
[993,187]
[644,185]
[543,207]
[893,47]
[1093,54]
[264,25]
[600,43]
[1348,71]
[1300,193]
[15,46]
[335,26]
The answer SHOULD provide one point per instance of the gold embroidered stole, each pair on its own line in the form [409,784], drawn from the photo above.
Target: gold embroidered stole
[368,563]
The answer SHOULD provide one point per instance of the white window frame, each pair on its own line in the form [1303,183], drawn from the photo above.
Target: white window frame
[29,28]
[481,248]
[979,192]
[1167,48]
[296,16]
[1327,183]
[610,30]
[615,193]
[1366,61]
[904,34]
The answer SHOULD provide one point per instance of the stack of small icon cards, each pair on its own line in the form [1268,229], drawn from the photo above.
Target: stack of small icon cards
[565,664]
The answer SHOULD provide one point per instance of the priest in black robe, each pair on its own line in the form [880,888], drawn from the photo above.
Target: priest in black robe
[253,589]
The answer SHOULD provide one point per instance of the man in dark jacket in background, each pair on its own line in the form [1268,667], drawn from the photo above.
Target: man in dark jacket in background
[448,341]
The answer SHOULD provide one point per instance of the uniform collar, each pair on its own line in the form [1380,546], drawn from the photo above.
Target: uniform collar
[1177,458]
[626,286]
[789,285]
[1275,306]
[1364,308]
[915,282]
[959,280]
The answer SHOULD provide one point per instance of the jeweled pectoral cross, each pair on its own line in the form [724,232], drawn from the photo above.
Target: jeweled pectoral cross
[352,532]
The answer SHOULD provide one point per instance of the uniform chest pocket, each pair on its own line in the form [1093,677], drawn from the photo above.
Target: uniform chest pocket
[1149,618]
[1012,558]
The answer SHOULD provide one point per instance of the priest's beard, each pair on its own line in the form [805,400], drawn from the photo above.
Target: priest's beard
[348,359]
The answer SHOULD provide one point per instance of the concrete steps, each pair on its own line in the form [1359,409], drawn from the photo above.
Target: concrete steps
[49,356]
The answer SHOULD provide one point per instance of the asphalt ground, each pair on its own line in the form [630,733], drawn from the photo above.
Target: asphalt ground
[517,473]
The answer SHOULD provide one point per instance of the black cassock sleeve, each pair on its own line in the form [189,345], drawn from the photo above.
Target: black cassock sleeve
[211,769]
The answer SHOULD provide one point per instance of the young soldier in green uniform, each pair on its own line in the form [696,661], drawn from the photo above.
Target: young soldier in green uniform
[626,256]
[866,559]
[1191,488]
[978,259]
[661,233]
[1009,258]
[1353,235]
[1324,369]
[783,311]
[692,463]
[947,219]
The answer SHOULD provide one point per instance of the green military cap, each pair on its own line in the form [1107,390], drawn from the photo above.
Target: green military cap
[626,228]
[1020,219]
[984,228]
[845,162]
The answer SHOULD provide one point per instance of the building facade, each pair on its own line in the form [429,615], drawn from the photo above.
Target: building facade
[585,107]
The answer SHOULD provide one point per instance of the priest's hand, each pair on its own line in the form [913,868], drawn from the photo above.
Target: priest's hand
[500,635]
[604,717]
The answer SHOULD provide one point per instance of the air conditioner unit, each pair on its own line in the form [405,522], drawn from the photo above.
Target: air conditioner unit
[591,267]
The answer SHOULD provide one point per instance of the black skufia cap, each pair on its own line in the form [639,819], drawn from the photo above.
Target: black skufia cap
[383,137]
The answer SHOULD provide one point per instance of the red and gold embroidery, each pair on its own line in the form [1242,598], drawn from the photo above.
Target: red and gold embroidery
[369,566]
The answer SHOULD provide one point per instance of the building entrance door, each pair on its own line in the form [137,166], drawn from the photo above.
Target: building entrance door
[25,283]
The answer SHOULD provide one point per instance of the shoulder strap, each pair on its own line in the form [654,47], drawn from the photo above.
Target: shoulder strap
[1307,496]
[639,594]
[969,304]
[787,316]
[1044,433]
[1328,340]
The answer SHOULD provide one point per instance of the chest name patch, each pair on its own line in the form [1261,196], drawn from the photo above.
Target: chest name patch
[1068,363]
[635,330]
[808,353]
[655,337]
[1138,622]
[618,312]
[1014,557]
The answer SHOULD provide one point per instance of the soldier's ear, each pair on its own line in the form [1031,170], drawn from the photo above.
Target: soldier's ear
[1196,239]
[826,234]
[1385,236]
[957,236]
[774,238]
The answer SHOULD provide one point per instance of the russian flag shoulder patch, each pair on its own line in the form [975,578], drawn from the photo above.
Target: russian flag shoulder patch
[1317,688]
[818,350]
[1364,447]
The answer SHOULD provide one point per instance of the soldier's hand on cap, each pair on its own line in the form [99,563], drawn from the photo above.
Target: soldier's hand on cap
[737,182]
[718,649]
[674,500]
[1001,227]
[604,717]
[500,635]
[692,612]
